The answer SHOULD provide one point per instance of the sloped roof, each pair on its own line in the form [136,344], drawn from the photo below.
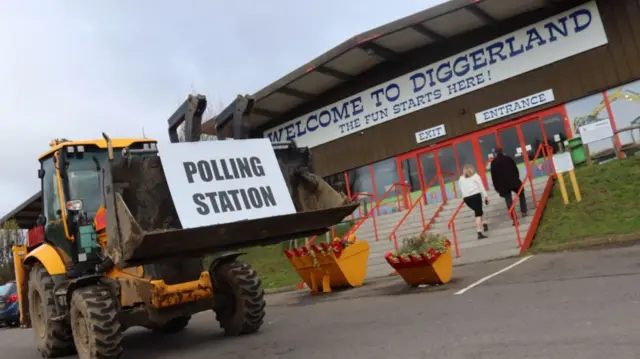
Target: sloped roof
[389,42]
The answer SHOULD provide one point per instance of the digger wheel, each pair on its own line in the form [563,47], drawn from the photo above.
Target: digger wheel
[175,325]
[97,332]
[238,298]
[53,338]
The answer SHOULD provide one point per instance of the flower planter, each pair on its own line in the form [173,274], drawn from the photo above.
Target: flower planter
[327,267]
[425,268]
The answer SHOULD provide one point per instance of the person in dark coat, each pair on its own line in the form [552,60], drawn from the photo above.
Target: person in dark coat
[506,179]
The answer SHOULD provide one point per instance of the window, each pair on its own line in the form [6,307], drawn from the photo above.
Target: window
[85,181]
[7,289]
[360,180]
[50,190]
[336,181]
[625,107]
[588,110]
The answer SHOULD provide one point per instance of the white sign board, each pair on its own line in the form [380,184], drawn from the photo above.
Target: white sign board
[562,162]
[553,39]
[214,182]
[430,133]
[516,106]
[596,131]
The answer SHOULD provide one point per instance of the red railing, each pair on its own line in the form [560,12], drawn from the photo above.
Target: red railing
[375,209]
[420,202]
[546,151]
[452,226]
[356,196]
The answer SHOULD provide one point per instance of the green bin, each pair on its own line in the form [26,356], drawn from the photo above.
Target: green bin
[574,145]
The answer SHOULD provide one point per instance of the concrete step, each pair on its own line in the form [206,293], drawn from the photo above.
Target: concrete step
[501,242]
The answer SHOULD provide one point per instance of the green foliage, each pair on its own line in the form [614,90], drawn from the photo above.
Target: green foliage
[422,244]
[609,205]
[10,234]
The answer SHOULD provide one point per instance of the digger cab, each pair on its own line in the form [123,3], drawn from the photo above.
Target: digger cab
[71,173]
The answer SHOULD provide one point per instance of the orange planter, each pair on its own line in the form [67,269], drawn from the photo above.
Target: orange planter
[417,270]
[347,268]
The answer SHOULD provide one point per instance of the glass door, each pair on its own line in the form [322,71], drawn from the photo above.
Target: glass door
[448,165]
[430,181]
[513,147]
[409,173]
[487,144]
[533,136]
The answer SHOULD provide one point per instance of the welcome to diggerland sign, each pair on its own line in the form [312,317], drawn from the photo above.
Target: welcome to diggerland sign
[558,37]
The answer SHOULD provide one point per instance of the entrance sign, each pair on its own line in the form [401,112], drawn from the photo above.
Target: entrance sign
[214,182]
[596,131]
[430,133]
[516,106]
[553,39]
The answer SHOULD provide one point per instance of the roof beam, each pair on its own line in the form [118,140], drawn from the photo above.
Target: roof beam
[381,51]
[265,113]
[481,14]
[334,73]
[422,29]
[296,93]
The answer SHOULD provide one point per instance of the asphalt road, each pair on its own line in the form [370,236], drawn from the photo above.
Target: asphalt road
[563,305]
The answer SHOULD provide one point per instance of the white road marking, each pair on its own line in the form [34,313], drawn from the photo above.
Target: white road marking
[462,291]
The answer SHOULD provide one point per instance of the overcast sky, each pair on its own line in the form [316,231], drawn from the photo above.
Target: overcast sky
[76,68]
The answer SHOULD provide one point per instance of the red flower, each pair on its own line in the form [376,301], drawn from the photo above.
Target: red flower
[337,248]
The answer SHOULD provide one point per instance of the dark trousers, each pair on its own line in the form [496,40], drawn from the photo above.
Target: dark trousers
[509,200]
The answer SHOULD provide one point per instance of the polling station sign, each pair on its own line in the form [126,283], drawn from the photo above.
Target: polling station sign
[555,38]
[215,182]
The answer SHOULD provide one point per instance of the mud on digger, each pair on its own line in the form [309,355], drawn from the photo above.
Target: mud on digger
[112,253]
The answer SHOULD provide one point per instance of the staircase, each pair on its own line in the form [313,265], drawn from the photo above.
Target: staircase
[502,241]
[378,266]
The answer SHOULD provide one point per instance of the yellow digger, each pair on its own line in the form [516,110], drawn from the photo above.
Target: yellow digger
[112,253]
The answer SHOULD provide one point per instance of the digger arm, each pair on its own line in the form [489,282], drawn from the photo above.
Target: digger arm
[189,113]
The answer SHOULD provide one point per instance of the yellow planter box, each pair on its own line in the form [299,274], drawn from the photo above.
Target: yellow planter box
[328,271]
[417,270]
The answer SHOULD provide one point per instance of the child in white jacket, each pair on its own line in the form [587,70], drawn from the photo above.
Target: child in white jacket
[473,192]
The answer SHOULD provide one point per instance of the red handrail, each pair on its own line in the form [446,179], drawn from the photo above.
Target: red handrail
[357,196]
[353,229]
[418,202]
[452,226]
[545,150]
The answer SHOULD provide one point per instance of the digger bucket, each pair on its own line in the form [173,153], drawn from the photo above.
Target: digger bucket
[143,225]
[322,266]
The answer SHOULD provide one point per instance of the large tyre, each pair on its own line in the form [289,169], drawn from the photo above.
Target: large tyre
[175,325]
[238,298]
[97,331]
[53,338]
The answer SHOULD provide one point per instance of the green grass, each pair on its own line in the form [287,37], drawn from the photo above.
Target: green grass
[272,265]
[609,205]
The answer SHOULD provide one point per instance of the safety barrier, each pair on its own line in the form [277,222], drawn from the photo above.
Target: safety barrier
[338,265]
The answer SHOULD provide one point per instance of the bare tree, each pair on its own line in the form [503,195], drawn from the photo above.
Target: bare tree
[10,235]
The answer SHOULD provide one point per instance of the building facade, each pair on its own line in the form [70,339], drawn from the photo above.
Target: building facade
[538,79]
